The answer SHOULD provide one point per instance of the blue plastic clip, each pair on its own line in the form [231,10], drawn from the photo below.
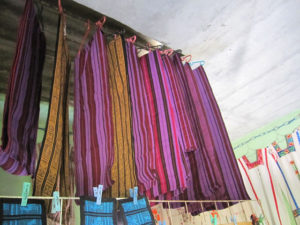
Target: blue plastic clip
[135,195]
[99,194]
[25,193]
[131,192]
[95,189]
[55,203]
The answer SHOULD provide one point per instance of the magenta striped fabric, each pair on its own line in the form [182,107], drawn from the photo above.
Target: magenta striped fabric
[167,124]
[215,174]
[187,130]
[161,186]
[216,136]
[21,109]
[93,130]
[144,143]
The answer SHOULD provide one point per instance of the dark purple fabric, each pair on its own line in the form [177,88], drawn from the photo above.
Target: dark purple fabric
[21,109]
[215,174]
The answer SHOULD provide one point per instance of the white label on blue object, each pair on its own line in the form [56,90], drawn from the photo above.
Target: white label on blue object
[56,201]
[95,189]
[25,193]
[131,192]
[99,194]
[135,194]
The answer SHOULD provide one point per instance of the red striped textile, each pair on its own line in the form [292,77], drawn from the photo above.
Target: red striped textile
[21,109]
[93,128]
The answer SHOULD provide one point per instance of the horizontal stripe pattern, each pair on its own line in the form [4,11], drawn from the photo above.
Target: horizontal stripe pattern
[21,109]
[93,128]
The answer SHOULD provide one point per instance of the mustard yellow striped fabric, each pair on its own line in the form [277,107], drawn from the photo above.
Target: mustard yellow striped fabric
[54,156]
[123,169]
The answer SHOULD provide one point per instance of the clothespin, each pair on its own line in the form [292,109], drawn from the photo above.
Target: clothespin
[55,203]
[131,192]
[201,62]
[261,220]
[25,193]
[135,195]
[233,219]
[99,194]
[213,219]
[95,189]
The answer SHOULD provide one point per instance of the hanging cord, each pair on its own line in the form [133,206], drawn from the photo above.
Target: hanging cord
[167,52]
[60,9]
[131,39]
[187,58]
[86,34]
[101,22]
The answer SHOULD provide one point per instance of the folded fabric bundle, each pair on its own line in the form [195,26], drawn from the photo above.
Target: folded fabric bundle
[136,214]
[12,213]
[22,103]
[91,213]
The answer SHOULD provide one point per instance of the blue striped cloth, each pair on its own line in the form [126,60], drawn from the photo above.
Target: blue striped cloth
[12,213]
[103,214]
[139,214]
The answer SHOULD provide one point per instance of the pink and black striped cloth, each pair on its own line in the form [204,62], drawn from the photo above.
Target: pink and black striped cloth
[22,103]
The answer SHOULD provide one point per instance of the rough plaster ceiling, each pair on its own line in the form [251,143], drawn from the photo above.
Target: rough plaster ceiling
[251,49]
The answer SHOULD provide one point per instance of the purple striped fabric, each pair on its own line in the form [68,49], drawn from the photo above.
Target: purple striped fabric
[21,110]
[144,143]
[215,174]
[93,130]
[174,162]
[188,132]
[218,136]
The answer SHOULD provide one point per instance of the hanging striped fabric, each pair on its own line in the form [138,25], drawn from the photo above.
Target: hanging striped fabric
[144,142]
[21,109]
[167,125]
[54,155]
[217,147]
[123,169]
[93,127]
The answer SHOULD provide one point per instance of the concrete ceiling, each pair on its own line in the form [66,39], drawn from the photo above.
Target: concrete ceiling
[251,49]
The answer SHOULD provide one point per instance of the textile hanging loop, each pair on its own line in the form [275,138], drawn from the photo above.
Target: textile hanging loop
[131,39]
[186,58]
[167,52]
[60,9]
[101,22]
[86,34]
